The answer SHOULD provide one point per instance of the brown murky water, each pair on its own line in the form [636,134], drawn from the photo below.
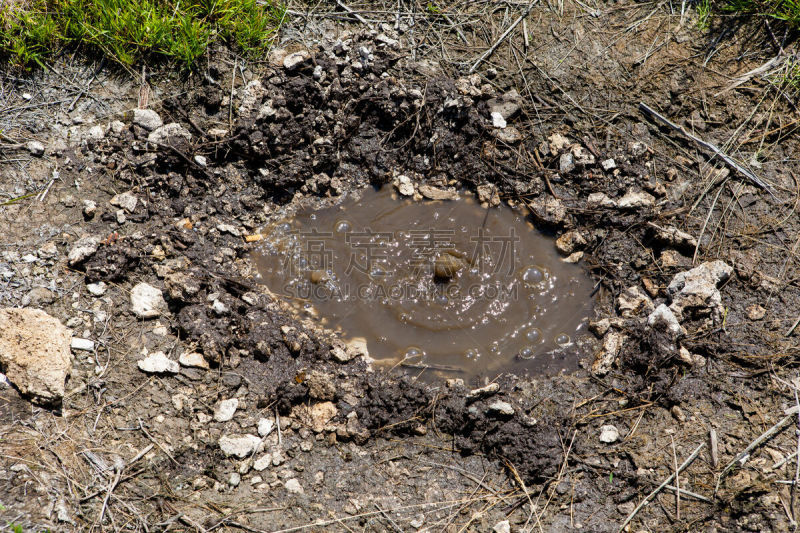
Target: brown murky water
[445,285]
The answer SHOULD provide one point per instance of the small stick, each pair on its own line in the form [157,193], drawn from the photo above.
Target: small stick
[688,493]
[797,462]
[677,481]
[278,425]
[712,438]
[502,38]
[733,164]
[658,489]
[771,432]
[794,327]
[358,17]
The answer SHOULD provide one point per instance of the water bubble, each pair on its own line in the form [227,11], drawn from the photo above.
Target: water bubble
[562,339]
[534,335]
[472,354]
[526,353]
[343,226]
[282,228]
[412,352]
[533,275]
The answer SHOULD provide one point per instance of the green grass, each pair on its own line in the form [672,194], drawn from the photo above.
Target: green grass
[128,31]
[785,12]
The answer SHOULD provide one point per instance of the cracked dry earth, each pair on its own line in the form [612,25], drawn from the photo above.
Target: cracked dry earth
[197,401]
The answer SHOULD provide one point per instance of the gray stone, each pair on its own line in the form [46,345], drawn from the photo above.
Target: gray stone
[79,344]
[225,409]
[434,193]
[162,134]
[293,486]
[35,353]
[239,445]
[235,479]
[505,106]
[35,148]
[158,363]
[608,164]
[147,301]
[262,463]
[508,135]
[566,163]
[663,319]
[696,290]
[96,289]
[501,408]
[612,344]
[126,201]
[502,527]
[635,200]
[147,119]
[82,250]
[632,302]
[295,60]
[193,360]
[265,426]
[609,434]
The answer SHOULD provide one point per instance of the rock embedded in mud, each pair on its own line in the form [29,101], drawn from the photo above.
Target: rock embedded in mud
[502,527]
[435,193]
[225,409]
[612,345]
[501,408]
[293,486]
[158,363]
[265,427]
[599,199]
[82,250]
[147,301]
[446,266]
[239,445]
[163,134]
[569,242]
[663,319]
[193,360]
[633,302]
[505,106]
[35,148]
[404,185]
[35,353]
[488,194]
[636,200]
[696,290]
[548,210]
[96,289]
[294,60]
[508,135]
[126,200]
[609,434]
[147,119]
[755,312]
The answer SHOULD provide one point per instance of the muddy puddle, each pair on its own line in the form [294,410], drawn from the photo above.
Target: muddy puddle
[447,285]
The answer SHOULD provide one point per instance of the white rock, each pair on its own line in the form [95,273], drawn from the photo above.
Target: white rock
[193,360]
[632,302]
[147,301]
[557,142]
[228,228]
[82,250]
[126,201]
[502,527]
[636,199]
[566,163]
[498,121]
[581,155]
[262,463]
[225,409]
[404,185]
[294,60]
[664,319]
[569,242]
[85,345]
[612,344]
[501,408]
[201,161]
[696,289]
[96,289]
[599,199]
[95,133]
[35,353]
[158,363]
[609,434]
[116,126]
[35,148]
[239,445]
[162,134]
[265,426]
[235,479]
[293,486]
[147,119]
[608,164]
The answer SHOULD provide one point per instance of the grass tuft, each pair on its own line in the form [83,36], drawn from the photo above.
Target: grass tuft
[128,31]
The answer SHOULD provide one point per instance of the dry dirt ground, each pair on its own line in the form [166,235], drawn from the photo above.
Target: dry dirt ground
[381,92]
